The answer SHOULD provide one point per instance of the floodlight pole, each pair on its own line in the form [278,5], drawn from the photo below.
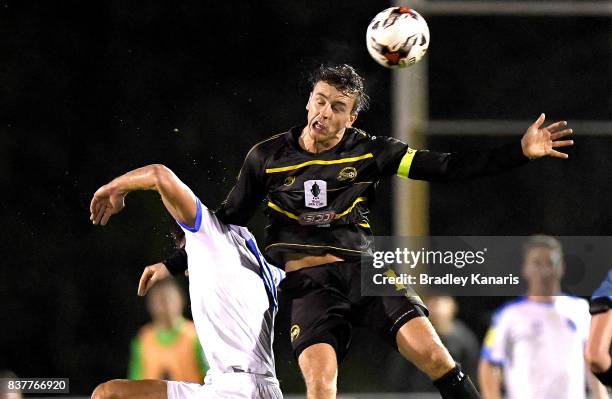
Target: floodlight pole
[410,212]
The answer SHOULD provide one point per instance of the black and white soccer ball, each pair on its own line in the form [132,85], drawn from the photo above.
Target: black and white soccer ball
[397,37]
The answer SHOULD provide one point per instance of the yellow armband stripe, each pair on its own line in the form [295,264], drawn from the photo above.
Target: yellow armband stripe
[404,166]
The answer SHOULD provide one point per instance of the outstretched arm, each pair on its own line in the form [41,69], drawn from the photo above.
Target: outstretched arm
[538,141]
[178,199]
[240,204]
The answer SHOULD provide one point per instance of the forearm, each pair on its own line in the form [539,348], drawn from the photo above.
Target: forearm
[489,377]
[176,196]
[597,350]
[150,177]
[435,166]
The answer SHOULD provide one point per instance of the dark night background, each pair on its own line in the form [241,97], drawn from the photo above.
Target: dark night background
[90,90]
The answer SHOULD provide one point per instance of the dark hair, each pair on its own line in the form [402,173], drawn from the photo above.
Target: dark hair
[344,78]
[178,237]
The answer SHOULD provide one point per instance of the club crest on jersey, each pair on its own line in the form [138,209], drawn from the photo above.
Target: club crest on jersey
[294,332]
[315,193]
[289,181]
[347,174]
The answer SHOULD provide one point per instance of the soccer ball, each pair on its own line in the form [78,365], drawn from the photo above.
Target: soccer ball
[397,37]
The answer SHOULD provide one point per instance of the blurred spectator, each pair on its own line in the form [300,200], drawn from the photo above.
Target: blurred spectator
[9,395]
[600,334]
[537,341]
[460,341]
[167,347]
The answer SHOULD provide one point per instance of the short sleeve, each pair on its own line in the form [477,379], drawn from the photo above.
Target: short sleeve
[278,275]
[206,221]
[198,219]
[494,345]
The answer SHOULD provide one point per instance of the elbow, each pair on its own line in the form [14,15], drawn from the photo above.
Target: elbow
[161,174]
[597,359]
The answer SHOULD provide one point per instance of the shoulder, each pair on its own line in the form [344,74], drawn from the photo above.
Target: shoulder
[145,331]
[271,143]
[510,308]
[358,137]
[189,329]
[574,302]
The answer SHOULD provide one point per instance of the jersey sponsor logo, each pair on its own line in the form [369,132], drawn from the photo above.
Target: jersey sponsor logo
[347,174]
[316,218]
[294,332]
[315,193]
[289,180]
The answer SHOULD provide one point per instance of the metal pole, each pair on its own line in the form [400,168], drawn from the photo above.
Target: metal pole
[409,119]
[520,8]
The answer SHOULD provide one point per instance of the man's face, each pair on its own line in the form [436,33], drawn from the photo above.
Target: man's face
[441,308]
[165,303]
[542,266]
[329,112]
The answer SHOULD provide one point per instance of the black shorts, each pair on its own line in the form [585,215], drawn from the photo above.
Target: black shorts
[327,304]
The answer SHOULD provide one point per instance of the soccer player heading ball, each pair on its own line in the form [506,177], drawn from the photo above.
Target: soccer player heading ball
[317,180]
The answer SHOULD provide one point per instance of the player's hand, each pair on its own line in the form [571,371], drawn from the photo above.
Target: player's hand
[150,276]
[541,141]
[106,202]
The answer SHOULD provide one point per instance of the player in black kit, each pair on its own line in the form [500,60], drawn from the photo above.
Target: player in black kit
[316,181]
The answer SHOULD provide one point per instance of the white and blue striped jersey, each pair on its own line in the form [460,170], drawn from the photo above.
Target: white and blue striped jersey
[540,347]
[233,292]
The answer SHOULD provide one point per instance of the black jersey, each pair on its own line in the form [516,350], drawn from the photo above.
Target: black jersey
[319,203]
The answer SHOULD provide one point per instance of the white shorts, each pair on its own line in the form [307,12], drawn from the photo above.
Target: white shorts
[227,385]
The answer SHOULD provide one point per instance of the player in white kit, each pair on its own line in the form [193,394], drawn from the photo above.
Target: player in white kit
[232,291]
[538,341]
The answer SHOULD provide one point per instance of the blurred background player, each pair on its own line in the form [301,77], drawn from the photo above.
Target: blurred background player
[537,341]
[233,299]
[600,334]
[456,336]
[13,394]
[167,348]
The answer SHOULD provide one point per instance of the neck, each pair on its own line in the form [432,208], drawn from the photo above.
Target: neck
[167,323]
[543,293]
[541,298]
[314,146]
